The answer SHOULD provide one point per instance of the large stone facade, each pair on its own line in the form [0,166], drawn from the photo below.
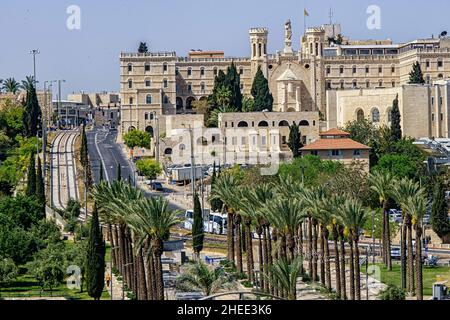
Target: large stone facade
[163,83]
[424,109]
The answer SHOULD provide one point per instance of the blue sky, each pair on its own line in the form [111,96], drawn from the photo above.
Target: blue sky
[88,58]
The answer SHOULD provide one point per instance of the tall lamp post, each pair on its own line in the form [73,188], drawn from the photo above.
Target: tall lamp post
[59,101]
[34,52]
[191,136]
[155,116]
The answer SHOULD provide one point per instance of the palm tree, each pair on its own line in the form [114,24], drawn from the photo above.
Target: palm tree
[381,184]
[116,199]
[416,207]
[330,206]
[10,85]
[285,275]
[404,189]
[200,277]
[213,119]
[153,219]
[253,200]
[223,189]
[28,84]
[353,216]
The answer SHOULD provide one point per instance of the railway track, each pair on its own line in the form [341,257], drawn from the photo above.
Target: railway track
[63,169]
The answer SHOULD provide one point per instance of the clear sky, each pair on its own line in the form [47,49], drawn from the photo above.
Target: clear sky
[88,59]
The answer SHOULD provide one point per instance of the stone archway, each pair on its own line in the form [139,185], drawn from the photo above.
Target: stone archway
[189,101]
[150,131]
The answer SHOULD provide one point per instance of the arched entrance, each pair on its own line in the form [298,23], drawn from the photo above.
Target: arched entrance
[149,130]
[189,101]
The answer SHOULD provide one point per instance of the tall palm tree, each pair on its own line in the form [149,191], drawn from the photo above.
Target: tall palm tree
[404,189]
[116,198]
[416,206]
[200,277]
[254,200]
[28,84]
[285,275]
[381,184]
[10,85]
[223,189]
[353,216]
[152,217]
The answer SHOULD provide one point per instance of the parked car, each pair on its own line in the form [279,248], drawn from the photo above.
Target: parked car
[217,223]
[157,186]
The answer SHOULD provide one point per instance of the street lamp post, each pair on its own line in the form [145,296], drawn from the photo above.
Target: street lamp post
[155,116]
[34,52]
[59,101]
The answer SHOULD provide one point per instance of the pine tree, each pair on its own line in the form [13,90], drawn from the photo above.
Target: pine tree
[143,47]
[439,211]
[31,177]
[295,140]
[32,112]
[216,204]
[416,75]
[197,227]
[95,258]
[119,172]
[263,99]
[40,187]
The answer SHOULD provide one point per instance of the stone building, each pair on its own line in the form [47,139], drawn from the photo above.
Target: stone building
[254,137]
[336,145]
[424,109]
[163,83]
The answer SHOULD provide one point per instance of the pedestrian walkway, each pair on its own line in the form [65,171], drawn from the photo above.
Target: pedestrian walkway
[116,293]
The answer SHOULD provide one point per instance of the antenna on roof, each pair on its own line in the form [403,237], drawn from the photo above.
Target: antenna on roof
[331,15]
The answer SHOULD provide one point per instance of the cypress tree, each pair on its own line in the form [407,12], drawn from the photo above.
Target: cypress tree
[32,112]
[101,172]
[31,177]
[197,227]
[95,258]
[263,99]
[416,75]
[84,148]
[216,204]
[119,172]
[233,83]
[439,211]
[295,140]
[40,188]
[396,129]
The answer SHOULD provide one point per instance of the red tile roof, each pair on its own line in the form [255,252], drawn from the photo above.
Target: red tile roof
[335,144]
[334,132]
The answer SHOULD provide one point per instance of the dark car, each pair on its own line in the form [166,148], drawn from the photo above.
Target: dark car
[157,186]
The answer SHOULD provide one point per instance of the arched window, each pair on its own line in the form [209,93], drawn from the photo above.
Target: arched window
[130,67]
[177,71]
[263,124]
[241,71]
[179,103]
[189,71]
[303,123]
[165,83]
[148,82]
[166,99]
[131,129]
[202,86]
[147,67]
[148,99]
[440,76]
[149,130]
[389,114]
[242,124]
[165,68]
[283,123]
[202,71]
[375,115]
[189,101]
[360,115]
[215,71]
[168,151]
[130,84]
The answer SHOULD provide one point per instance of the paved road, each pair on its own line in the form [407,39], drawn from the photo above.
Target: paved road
[103,149]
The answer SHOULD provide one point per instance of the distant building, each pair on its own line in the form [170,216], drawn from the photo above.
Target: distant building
[69,113]
[336,145]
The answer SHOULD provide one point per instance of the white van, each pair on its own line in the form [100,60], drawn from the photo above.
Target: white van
[189,218]
[217,223]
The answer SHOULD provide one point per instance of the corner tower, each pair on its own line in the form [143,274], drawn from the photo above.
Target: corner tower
[258,42]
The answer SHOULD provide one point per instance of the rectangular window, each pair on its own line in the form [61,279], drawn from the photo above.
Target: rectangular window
[335,153]
[243,141]
[440,63]
[427,64]
[328,85]
[432,117]
[189,72]
[314,153]
[263,141]
[328,70]
[356,153]
[393,69]
[367,70]
[147,83]
[131,100]
[146,116]
[147,67]
[380,69]
[165,83]
[354,70]
[341,70]
[165,67]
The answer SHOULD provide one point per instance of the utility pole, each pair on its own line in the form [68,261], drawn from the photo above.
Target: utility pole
[155,116]
[59,102]
[373,237]
[191,136]
[34,52]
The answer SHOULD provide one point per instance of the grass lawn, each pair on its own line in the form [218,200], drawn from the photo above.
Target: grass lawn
[27,286]
[430,275]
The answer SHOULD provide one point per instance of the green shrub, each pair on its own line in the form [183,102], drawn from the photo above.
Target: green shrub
[392,293]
